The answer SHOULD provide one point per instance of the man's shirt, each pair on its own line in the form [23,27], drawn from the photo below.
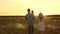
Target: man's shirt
[30,19]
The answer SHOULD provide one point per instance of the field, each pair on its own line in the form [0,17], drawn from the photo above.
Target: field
[18,25]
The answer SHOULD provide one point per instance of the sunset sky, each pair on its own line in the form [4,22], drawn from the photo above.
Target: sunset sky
[19,7]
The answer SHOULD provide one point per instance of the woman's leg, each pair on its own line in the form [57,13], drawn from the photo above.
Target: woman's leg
[41,32]
[38,32]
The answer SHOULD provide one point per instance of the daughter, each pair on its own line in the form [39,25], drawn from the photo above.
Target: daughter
[40,25]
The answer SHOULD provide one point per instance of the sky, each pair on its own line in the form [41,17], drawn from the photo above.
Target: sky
[19,7]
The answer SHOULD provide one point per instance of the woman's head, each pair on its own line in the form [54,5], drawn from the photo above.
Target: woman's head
[40,16]
[32,12]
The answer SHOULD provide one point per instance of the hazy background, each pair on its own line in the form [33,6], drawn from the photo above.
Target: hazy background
[19,7]
[18,25]
[12,15]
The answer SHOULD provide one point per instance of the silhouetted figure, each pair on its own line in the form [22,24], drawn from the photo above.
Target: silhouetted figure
[40,25]
[30,19]
[32,12]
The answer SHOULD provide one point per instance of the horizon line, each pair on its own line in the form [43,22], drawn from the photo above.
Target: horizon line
[24,15]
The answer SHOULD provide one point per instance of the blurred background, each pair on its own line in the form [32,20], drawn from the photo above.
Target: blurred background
[18,25]
[12,15]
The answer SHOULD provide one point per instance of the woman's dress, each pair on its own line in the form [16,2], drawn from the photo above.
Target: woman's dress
[40,25]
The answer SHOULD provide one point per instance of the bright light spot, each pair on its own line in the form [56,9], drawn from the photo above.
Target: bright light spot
[19,26]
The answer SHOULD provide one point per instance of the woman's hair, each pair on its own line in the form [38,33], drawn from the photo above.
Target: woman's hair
[32,12]
[40,16]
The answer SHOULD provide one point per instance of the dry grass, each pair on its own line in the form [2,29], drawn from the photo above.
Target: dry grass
[19,26]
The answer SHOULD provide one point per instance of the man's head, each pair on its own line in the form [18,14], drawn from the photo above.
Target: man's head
[28,10]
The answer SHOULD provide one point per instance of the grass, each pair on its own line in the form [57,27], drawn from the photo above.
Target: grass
[19,26]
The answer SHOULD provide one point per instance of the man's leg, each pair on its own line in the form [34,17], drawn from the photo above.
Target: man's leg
[28,29]
[32,29]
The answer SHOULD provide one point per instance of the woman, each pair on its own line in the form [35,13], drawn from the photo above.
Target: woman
[32,12]
[40,25]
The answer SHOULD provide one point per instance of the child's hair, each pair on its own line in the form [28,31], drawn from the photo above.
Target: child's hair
[40,16]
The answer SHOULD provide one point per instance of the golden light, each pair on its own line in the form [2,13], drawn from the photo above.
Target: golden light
[19,7]
[19,26]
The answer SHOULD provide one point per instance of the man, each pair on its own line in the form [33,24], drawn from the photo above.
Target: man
[30,19]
